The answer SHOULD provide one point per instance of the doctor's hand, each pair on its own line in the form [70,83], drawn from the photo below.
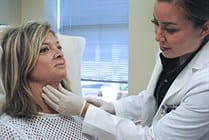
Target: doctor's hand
[64,101]
[109,107]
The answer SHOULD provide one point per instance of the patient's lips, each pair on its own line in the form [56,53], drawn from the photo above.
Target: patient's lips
[60,65]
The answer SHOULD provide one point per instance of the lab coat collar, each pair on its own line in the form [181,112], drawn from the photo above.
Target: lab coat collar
[200,60]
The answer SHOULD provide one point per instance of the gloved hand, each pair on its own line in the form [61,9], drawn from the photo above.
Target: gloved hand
[63,101]
[109,107]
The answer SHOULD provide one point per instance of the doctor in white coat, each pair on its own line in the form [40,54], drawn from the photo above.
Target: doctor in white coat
[175,104]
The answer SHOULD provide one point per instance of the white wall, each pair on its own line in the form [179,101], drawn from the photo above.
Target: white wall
[10,11]
[20,11]
[32,10]
[142,47]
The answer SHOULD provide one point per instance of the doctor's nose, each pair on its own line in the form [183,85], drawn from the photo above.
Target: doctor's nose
[159,35]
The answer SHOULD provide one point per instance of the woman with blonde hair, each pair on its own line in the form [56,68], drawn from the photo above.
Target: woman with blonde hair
[32,58]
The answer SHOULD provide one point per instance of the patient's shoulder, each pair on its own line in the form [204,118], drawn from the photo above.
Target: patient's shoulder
[7,130]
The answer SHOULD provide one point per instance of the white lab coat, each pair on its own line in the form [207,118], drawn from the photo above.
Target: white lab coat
[189,119]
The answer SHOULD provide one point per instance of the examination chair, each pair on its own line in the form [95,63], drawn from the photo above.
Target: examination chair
[73,47]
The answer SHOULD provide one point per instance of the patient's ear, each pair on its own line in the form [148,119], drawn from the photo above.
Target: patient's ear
[205,30]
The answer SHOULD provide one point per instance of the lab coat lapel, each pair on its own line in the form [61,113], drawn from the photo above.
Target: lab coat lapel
[149,108]
[197,63]
[155,75]
[178,83]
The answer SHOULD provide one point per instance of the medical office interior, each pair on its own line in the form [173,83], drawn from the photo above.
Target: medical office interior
[119,51]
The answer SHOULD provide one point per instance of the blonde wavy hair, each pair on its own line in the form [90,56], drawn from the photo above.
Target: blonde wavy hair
[21,47]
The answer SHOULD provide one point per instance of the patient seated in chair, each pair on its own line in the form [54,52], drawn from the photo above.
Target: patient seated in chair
[32,57]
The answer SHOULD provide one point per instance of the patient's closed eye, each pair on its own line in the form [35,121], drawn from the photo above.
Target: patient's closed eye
[44,49]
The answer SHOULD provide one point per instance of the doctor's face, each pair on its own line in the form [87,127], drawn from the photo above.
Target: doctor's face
[50,67]
[175,34]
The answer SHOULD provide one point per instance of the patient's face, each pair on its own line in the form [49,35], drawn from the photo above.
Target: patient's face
[50,67]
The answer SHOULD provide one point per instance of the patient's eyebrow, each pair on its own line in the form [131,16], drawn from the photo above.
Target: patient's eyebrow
[46,43]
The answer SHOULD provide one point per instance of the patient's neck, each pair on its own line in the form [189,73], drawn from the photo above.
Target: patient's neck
[36,89]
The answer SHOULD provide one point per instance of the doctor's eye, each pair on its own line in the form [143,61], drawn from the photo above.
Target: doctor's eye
[171,30]
[155,22]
